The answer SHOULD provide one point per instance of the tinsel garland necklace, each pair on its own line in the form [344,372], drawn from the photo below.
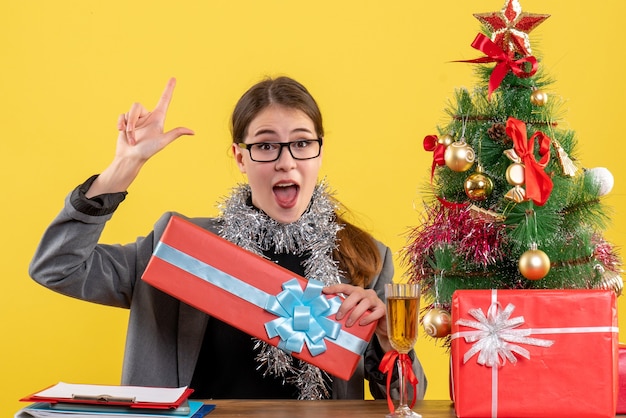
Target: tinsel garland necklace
[314,234]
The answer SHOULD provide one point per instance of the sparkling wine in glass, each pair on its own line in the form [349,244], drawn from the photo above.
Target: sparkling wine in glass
[403,300]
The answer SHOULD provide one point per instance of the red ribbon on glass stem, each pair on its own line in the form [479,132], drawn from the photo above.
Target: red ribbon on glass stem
[505,62]
[387,365]
[538,182]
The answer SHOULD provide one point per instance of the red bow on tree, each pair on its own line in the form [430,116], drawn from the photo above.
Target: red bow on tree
[538,182]
[505,62]
[431,143]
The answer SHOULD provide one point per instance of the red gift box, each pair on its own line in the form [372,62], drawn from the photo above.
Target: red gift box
[621,396]
[534,353]
[256,296]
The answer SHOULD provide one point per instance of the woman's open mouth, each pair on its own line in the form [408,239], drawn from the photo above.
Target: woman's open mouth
[286,194]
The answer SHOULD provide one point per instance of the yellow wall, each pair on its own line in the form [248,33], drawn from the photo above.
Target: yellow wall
[380,70]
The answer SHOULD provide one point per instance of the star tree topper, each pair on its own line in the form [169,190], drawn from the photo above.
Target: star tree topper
[510,27]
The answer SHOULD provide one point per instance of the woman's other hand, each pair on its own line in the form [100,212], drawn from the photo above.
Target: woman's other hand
[363,306]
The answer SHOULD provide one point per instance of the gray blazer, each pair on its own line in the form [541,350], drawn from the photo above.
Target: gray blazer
[164,335]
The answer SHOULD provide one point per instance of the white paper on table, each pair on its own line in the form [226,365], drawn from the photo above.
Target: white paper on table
[140,393]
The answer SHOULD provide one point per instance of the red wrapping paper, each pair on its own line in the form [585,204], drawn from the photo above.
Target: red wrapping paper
[574,376]
[621,396]
[256,271]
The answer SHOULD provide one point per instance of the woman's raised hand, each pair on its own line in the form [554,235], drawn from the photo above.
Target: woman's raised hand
[141,131]
[140,137]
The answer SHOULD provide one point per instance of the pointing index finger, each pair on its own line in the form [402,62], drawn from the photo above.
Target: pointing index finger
[166,96]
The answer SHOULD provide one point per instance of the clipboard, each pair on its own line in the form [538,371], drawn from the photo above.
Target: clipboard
[128,396]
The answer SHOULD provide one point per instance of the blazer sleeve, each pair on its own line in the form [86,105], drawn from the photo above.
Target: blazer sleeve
[69,259]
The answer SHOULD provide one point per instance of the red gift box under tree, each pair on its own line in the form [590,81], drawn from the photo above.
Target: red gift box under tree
[534,353]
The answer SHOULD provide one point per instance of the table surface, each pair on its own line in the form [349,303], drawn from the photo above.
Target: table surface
[326,408]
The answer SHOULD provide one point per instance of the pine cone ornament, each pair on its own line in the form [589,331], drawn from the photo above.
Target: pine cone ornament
[497,133]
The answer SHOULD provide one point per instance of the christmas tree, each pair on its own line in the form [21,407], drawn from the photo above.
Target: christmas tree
[508,204]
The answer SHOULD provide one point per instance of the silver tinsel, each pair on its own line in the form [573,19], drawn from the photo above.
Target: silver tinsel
[315,234]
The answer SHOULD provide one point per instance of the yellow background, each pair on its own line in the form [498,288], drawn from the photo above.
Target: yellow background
[381,72]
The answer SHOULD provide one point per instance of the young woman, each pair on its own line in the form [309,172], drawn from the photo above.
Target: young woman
[283,213]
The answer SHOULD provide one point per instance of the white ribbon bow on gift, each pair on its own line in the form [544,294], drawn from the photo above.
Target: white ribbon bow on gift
[495,335]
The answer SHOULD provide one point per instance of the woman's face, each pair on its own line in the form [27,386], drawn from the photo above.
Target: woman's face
[282,188]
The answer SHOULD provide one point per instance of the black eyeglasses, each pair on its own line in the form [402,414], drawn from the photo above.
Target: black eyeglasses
[302,149]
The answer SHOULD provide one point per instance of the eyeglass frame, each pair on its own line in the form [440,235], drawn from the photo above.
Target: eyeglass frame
[282,145]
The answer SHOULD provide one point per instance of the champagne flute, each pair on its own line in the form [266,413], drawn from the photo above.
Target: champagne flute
[403,300]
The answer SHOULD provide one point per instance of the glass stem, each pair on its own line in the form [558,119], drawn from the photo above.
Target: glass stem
[403,388]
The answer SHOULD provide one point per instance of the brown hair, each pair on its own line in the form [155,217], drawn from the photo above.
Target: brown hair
[357,254]
[282,91]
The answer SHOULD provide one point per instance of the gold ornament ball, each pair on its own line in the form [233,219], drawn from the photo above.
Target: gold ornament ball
[478,186]
[459,156]
[534,264]
[437,323]
[539,97]
[445,140]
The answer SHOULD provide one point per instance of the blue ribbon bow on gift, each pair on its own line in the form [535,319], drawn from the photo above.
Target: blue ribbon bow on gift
[302,317]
